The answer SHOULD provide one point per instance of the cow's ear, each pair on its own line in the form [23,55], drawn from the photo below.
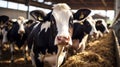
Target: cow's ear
[81,14]
[38,15]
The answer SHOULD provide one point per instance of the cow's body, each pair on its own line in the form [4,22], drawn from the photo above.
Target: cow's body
[3,31]
[49,38]
[81,31]
[18,34]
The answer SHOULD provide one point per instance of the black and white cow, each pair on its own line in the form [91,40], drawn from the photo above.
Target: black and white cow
[18,34]
[101,27]
[48,39]
[82,29]
[3,31]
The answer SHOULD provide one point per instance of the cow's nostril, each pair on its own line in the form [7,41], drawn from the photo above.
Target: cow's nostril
[94,33]
[62,38]
[59,38]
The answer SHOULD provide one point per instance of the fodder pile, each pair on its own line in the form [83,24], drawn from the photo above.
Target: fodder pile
[98,53]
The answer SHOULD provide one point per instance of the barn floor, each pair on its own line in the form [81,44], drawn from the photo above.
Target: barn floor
[99,53]
[19,60]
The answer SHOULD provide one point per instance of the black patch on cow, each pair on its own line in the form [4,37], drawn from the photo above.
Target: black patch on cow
[99,26]
[13,35]
[80,30]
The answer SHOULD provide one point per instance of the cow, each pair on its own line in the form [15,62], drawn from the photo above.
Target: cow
[81,31]
[17,35]
[48,39]
[101,27]
[3,31]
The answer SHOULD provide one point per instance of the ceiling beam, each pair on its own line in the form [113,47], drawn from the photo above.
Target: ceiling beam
[74,4]
[33,3]
[93,7]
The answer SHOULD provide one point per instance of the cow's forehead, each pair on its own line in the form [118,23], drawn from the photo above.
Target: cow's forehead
[61,6]
[61,11]
[62,14]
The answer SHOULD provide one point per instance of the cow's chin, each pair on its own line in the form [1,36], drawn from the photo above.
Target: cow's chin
[63,43]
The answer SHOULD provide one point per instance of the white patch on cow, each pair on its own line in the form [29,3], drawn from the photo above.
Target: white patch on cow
[45,26]
[11,47]
[78,21]
[32,56]
[13,20]
[62,13]
[21,26]
[36,25]
[60,55]
[12,50]
[99,34]
[4,32]
[92,23]
[82,44]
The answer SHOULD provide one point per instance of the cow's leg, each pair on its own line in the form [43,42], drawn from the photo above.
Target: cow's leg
[4,40]
[36,61]
[12,52]
[25,52]
[0,48]
[32,55]
[60,55]
[83,43]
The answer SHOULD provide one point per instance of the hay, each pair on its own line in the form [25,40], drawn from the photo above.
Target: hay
[99,53]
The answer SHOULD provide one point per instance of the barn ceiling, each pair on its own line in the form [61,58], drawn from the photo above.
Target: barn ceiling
[74,4]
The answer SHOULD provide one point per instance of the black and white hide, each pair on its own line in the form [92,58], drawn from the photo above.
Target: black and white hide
[48,39]
[3,31]
[17,35]
[101,27]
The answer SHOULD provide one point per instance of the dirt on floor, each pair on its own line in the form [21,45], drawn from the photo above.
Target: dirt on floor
[18,56]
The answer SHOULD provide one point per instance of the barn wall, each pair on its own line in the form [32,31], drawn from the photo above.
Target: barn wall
[12,13]
[117,7]
[117,25]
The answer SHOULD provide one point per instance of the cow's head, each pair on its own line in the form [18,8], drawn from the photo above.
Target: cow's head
[3,28]
[21,22]
[63,18]
[101,25]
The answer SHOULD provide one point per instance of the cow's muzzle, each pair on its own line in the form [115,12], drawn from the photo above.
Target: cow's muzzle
[63,40]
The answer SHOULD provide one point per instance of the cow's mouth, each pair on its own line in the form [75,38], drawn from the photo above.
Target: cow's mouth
[63,43]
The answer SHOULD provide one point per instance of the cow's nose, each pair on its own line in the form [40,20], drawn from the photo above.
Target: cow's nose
[63,39]
[94,34]
[21,32]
